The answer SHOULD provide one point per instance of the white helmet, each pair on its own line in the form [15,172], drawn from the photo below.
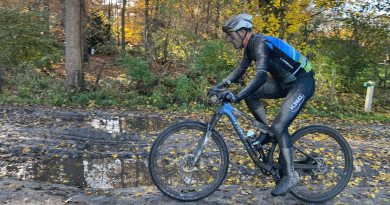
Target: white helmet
[238,22]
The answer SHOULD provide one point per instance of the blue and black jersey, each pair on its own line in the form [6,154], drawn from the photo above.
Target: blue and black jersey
[272,55]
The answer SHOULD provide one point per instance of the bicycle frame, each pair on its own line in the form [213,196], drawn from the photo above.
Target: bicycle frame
[230,112]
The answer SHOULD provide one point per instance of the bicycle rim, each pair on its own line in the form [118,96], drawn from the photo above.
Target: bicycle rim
[170,166]
[331,154]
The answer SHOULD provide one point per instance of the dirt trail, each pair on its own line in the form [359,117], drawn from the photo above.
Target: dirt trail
[99,156]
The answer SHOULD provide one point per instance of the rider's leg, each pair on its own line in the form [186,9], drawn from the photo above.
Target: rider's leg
[257,109]
[270,89]
[297,96]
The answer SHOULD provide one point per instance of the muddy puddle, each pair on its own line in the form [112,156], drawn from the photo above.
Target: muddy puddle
[80,172]
[118,124]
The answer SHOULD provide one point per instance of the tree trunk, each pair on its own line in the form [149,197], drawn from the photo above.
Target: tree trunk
[73,43]
[118,36]
[166,43]
[217,19]
[386,77]
[109,20]
[123,26]
[149,45]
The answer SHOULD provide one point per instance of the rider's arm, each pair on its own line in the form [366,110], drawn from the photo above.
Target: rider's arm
[261,55]
[237,73]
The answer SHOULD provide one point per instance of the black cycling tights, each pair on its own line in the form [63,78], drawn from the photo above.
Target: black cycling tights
[296,94]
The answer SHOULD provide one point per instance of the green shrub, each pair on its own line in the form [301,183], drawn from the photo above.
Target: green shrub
[25,37]
[161,97]
[216,58]
[107,48]
[139,72]
[348,58]
[183,91]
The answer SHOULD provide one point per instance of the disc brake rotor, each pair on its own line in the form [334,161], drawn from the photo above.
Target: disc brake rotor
[322,166]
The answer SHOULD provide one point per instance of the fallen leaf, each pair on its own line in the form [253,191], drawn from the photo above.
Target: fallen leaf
[5,155]
[26,149]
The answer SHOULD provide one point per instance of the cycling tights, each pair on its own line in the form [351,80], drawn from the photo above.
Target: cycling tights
[296,95]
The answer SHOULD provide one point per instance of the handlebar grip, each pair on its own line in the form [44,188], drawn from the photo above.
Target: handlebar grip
[229,96]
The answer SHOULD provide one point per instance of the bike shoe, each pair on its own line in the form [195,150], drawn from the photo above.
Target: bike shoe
[285,185]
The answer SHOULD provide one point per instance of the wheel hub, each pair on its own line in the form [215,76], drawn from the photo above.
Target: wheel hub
[322,166]
[186,163]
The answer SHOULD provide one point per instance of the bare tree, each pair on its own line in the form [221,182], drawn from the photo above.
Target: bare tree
[123,26]
[73,44]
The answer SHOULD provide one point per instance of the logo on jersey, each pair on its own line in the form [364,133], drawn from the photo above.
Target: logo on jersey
[297,103]
[288,64]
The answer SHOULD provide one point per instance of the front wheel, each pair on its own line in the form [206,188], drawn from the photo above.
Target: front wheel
[171,163]
[324,161]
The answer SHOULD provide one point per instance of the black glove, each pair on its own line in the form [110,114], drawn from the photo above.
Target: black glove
[228,96]
[213,90]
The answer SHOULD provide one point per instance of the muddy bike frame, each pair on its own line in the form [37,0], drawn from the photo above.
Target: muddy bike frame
[268,165]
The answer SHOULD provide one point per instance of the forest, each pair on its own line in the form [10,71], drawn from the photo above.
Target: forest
[166,54]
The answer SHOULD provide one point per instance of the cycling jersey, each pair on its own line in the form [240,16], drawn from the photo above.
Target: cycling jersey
[272,55]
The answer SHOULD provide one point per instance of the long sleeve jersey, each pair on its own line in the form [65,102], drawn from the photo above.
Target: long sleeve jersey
[272,55]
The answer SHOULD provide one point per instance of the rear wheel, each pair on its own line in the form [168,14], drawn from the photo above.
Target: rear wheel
[324,161]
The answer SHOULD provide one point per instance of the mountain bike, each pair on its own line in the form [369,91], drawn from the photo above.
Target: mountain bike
[189,160]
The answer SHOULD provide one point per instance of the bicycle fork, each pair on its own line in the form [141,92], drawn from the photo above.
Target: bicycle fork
[205,138]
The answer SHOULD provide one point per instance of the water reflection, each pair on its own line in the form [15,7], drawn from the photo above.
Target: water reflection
[112,126]
[129,124]
[94,173]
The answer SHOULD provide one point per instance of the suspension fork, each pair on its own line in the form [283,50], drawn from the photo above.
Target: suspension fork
[206,137]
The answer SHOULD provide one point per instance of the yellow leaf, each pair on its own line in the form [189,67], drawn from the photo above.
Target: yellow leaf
[26,149]
[65,156]
[139,194]
[85,155]
[114,155]
[114,136]
[88,192]
[371,196]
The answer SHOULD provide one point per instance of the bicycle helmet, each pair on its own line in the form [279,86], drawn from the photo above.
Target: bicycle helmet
[238,22]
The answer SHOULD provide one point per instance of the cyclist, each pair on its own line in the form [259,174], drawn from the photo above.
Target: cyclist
[292,79]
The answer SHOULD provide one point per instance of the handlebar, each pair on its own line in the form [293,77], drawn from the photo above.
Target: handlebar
[217,96]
